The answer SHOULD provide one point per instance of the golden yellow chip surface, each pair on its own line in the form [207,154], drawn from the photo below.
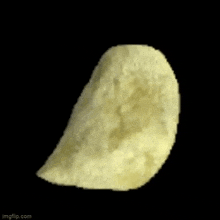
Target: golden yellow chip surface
[123,126]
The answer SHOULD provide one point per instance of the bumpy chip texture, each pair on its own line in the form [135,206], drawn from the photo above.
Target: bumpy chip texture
[123,126]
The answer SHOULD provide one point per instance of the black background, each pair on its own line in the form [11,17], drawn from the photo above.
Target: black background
[48,63]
